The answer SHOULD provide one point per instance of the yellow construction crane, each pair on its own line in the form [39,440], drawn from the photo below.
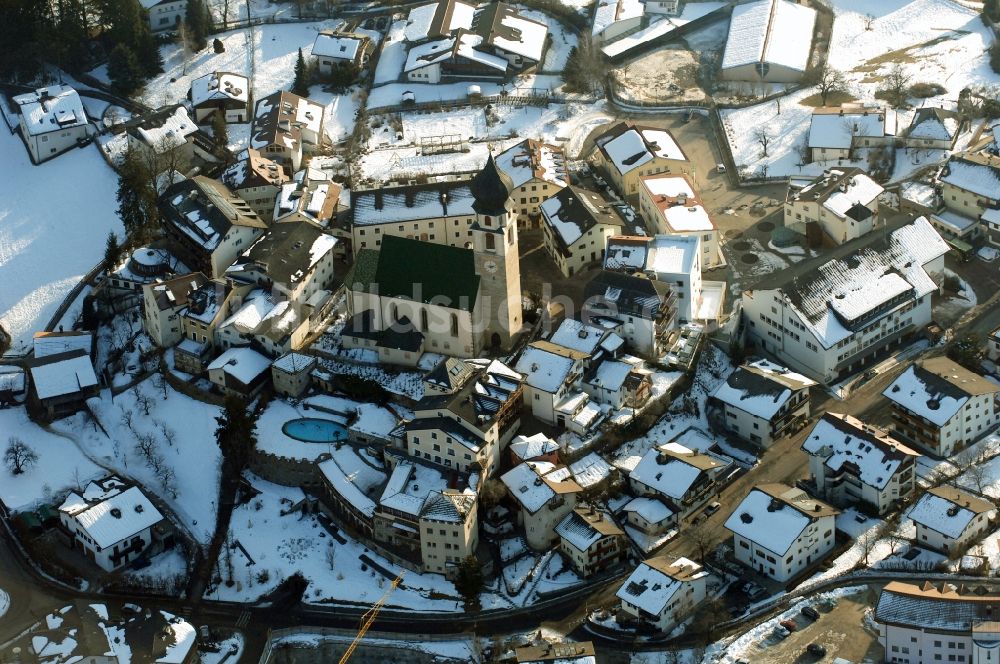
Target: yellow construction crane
[369,617]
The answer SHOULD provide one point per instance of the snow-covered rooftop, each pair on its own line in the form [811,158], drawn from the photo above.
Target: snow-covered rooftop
[584,338]
[677,203]
[243,364]
[773,516]
[776,32]
[629,146]
[609,12]
[610,375]
[173,132]
[527,448]
[871,455]
[532,160]
[936,389]
[337,46]
[654,583]
[117,518]
[55,108]
[761,388]
[352,478]
[573,211]
[652,510]
[294,363]
[545,367]
[947,510]
[848,290]
[840,128]
[662,254]
[63,377]
[520,36]
[411,203]
[53,343]
[220,86]
[586,526]
[673,470]
[980,176]
[534,483]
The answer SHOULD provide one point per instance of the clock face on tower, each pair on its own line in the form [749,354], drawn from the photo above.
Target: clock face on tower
[491,266]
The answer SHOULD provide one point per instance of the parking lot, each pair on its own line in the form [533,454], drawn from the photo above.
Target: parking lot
[840,630]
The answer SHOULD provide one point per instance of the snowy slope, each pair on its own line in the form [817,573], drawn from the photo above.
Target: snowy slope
[60,464]
[54,219]
[194,455]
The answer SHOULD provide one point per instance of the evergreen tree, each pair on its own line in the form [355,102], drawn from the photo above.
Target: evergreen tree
[199,23]
[220,132]
[124,70]
[300,85]
[992,9]
[112,252]
[131,204]
[236,434]
[469,582]
[24,33]
[70,38]
[147,49]
[967,351]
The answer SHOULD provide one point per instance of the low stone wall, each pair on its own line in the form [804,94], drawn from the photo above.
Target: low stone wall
[286,471]
[193,391]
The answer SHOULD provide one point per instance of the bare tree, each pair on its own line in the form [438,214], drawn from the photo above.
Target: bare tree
[331,555]
[18,456]
[225,15]
[896,83]
[869,21]
[702,538]
[169,435]
[160,382]
[142,400]
[185,41]
[853,130]
[763,139]
[128,418]
[829,81]
[867,541]
[168,479]
[145,447]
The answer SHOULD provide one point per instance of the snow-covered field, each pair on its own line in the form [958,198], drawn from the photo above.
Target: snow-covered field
[54,219]
[60,465]
[935,41]
[565,125]
[282,545]
[275,51]
[183,431]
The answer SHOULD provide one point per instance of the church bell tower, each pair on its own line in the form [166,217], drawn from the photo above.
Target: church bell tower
[494,242]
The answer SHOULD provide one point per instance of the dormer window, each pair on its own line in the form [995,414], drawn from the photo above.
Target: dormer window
[488,220]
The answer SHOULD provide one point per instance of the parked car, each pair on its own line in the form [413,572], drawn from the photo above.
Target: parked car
[712,508]
[860,518]
[789,625]
[756,592]
[781,632]
[810,612]
[816,649]
[720,168]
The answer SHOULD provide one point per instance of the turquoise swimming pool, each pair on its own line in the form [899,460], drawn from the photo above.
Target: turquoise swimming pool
[312,430]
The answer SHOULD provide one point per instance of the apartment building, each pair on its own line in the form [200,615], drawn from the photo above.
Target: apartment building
[940,406]
[761,402]
[781,532]
[855,464]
